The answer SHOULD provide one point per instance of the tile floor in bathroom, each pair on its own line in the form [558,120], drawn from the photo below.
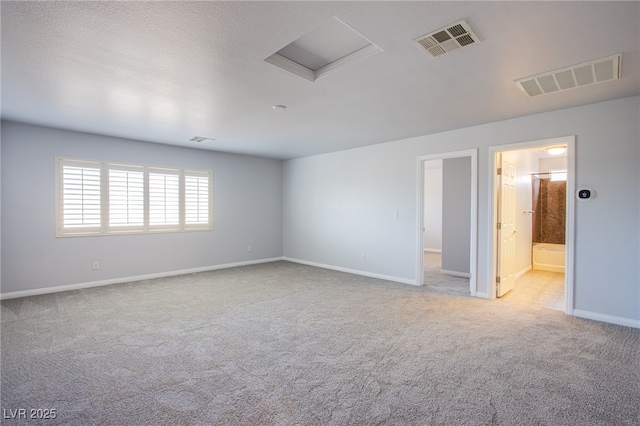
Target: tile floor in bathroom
[542,288]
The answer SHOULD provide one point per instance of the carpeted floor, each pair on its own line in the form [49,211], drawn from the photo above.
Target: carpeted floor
[434,280]
[288,344]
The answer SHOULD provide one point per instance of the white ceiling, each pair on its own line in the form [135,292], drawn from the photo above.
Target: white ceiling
[167,71]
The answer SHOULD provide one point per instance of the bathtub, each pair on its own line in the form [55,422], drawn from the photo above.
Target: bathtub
[548,257]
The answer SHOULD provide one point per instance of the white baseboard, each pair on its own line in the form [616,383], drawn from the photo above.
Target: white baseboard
[521,273]
[352,271]
[628,322]
[482,295]
[455,273]
[79,286]
[432,250]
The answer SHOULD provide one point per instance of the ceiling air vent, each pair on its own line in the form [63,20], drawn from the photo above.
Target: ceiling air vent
[584,74]
[445,40]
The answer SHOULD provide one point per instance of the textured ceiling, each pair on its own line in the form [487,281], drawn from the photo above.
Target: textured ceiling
[167,71]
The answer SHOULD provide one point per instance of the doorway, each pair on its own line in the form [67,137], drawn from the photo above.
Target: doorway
[532,222]
[456,252]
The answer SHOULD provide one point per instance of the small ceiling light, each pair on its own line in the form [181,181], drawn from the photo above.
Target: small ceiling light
[200,139]
[280,107]
[556,150]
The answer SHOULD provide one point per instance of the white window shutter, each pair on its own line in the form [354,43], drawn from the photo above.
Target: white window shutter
[197,199]
[126,197]
[80,196]
[164,198]
[100,198]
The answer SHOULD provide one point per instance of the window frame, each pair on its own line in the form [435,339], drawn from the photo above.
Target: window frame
[106,227]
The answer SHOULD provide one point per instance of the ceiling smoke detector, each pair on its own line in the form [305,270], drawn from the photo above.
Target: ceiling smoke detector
[585,74]
[444,40]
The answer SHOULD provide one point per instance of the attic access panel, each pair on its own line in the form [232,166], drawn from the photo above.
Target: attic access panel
[323,50]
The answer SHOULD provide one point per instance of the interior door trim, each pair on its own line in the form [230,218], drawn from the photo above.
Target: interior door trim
[473,233]
[569,284]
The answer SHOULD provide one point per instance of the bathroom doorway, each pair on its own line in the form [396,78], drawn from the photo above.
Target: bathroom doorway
[532,201]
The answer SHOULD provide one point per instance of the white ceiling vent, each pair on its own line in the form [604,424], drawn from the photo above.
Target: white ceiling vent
[451,37]
[584,74]
[323,50]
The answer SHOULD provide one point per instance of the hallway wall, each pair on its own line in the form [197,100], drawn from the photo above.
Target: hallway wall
[456,220]
[432,238]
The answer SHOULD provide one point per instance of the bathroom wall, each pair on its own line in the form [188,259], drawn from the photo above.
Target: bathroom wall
[552,163]
[526,163]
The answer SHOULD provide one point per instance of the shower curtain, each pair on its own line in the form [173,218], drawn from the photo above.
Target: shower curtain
[549,206]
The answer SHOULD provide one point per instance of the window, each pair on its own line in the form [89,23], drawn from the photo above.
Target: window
[81,196]
[164,197]
[126,197]
[196,199]
[101,198]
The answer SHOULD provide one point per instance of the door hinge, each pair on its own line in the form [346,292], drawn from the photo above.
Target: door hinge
[499,225]
[499,171]
[497,280]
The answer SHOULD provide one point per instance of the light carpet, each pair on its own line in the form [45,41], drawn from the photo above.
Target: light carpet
[288,344]
[435,280]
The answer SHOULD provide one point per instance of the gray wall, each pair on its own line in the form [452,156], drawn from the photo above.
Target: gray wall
[334,206]
[339,205]
[456,214]
[247,197]
[432,240]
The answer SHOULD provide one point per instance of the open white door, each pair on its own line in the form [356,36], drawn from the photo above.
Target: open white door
[505,277]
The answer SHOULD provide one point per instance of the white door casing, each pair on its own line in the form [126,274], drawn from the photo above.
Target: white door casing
[473,237]
[492,217]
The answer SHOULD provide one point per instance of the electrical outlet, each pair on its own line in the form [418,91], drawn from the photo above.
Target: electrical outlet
[249,248]
[363,257]
[95,265]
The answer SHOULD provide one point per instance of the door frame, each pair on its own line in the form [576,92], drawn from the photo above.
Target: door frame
[569,284]
[473,232]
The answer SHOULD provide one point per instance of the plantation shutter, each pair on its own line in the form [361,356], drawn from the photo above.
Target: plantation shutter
[126,197]
[101,198]
[80,191]
[197,199]
[164,198]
